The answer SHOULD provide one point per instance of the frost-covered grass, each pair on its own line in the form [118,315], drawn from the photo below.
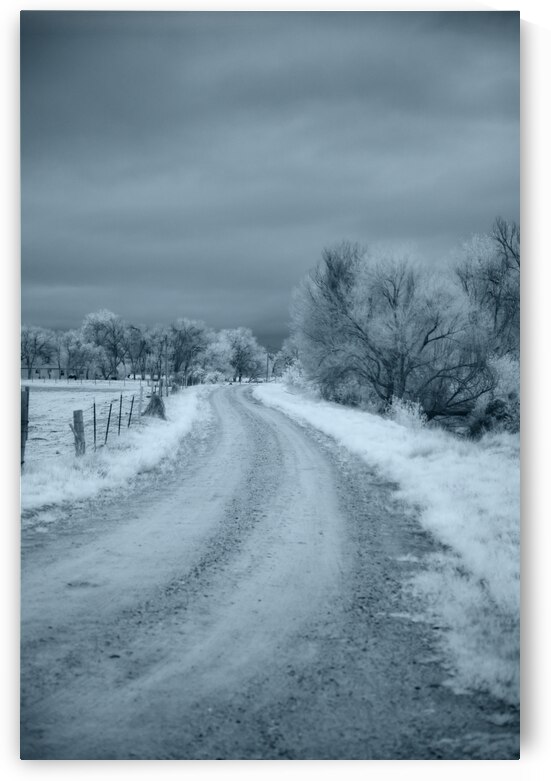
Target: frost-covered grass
[467,494]
[53,474]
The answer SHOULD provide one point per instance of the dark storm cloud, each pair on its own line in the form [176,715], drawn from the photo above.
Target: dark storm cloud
[198,163]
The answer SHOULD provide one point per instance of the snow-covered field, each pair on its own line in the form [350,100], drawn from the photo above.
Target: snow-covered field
[467,495]
[52,474]
[51,406]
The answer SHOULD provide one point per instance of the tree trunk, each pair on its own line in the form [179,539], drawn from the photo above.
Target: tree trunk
[155,408]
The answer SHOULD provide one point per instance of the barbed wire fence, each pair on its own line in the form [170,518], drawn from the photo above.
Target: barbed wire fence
[86,426]
[98,423]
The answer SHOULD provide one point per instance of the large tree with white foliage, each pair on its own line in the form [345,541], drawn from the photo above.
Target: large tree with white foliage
[247,358]
[107,330]
[382,327]
[79,355]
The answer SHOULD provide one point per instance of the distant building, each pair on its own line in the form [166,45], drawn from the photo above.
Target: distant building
[46,371]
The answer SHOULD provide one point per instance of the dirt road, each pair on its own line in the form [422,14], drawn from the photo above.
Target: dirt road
[250,604]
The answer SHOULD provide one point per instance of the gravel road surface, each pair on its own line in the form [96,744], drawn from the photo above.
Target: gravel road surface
[251,603]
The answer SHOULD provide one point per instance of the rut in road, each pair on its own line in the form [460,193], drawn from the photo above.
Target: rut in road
[249,612]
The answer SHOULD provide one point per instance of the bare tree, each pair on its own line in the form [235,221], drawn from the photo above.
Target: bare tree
[157,338]
[488,272]
[384,329]
[57,353]
[37,344]
[506,235]
[188,340]
[137,345]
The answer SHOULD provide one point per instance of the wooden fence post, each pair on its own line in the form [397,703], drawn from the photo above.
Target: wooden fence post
[94,426]
[77,427]
[131,408]
[24,420]
[140,402]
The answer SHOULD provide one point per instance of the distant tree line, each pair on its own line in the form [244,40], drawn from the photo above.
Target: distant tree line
[369,328]
[105,346]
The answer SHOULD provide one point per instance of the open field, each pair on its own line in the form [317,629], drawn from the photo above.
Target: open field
[51,406]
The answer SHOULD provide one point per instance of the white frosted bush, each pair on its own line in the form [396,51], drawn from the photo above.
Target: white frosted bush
[407,413]
[212,378]
[294,380]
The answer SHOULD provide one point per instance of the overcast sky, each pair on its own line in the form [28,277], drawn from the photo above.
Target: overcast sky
[196,164]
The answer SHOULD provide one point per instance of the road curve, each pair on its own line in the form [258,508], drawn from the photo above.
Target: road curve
[251,605]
